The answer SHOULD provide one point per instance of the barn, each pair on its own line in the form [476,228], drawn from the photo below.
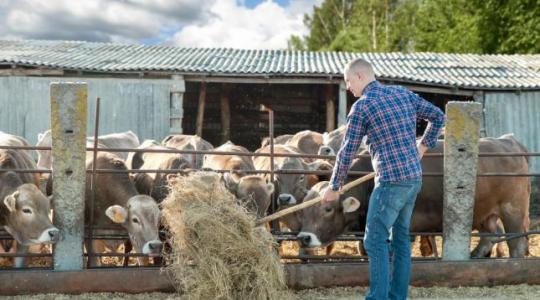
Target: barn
[220,93]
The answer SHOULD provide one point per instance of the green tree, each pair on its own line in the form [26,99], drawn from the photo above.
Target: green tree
[510,26]
[447,26]
[458,26]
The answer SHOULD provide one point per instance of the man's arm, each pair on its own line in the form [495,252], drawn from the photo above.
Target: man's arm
[435,117]
[356,129]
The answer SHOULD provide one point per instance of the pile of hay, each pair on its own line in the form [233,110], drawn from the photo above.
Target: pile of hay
[217,253]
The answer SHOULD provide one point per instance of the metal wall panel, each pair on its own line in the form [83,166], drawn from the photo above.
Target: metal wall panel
[142,106]
[517,113]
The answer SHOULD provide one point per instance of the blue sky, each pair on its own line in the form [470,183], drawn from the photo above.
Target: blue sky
[251,24]
[253,3]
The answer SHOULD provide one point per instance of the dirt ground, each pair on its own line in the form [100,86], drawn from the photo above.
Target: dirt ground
[516,292]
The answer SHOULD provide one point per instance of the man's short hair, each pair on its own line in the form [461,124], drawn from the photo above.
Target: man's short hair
[359,65]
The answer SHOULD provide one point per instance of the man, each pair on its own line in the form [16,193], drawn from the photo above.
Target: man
[387,115]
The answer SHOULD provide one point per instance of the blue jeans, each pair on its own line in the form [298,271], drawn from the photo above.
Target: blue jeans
[387,232]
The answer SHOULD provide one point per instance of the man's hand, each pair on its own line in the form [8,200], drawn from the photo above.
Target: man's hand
[421,149]
[330,195]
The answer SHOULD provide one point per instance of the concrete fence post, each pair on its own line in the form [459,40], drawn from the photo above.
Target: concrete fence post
[68,126]
[460,164]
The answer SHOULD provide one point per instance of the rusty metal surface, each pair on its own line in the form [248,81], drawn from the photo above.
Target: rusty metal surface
[450,274]
[142,280]
[299,276]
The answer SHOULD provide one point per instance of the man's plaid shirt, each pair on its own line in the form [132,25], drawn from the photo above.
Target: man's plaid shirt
[387,115]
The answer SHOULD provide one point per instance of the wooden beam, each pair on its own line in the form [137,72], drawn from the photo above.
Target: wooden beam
[330,108]
[342,109]
[225,113]
[200,109]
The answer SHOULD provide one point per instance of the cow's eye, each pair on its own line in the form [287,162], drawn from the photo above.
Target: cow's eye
[135,220]
[27,210]
[328,209]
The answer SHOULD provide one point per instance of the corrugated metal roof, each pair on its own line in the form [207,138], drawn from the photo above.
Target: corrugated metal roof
[458,70]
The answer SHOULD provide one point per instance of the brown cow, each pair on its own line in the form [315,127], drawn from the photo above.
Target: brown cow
[117,200]
[253,190]
[291,188]
[188,142]
[506,198]
[24,211]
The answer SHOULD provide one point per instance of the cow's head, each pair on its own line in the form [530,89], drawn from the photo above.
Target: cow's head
[44,156]
[252,190]
[292,187]
[141,220]
[27,217]
[323,222]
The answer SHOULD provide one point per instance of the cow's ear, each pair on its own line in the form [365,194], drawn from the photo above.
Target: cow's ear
[166,139]
[40,136]
[229,182]
[270,187]
[11,201]
[116,213]
[350,204]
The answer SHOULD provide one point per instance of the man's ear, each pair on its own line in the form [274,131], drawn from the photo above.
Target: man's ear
[10,201]
[117,214]
[350,204]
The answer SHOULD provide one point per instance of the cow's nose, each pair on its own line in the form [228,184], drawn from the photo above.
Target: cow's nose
[54,234]
[284,199]
[305,240]
[155,246]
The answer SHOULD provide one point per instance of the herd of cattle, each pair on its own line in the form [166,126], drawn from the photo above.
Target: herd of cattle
[132,199]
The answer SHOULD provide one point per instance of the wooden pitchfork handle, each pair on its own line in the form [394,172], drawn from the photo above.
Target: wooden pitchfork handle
[312,202]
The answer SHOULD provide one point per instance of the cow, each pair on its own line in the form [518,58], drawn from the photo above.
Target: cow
[126,139]
[117,201]
[7,139]
[24,211]
[291,188]
[156,185]
[279,140]
[342,215]
[252,190]
[188,142]
[332,142]
[504,198]
[307,141]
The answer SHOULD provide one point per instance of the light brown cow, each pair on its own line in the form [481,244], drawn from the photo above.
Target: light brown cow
[156,185]
[7,139]
[24,211]
[307,142]
[126,139]
[252,190]
[188,142]
[279,140]
[117,200]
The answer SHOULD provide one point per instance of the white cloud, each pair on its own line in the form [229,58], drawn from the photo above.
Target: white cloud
[189,23]
[96,20]
[267,25]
